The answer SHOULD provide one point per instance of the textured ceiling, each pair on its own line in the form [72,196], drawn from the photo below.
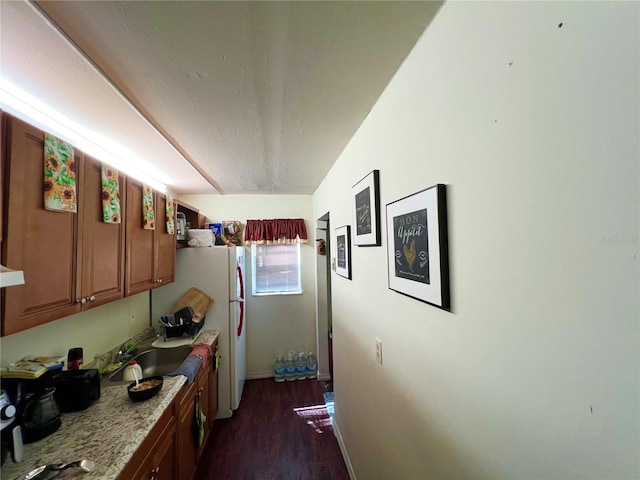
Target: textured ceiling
[259,97]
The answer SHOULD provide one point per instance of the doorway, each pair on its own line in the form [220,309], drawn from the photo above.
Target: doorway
[323,303]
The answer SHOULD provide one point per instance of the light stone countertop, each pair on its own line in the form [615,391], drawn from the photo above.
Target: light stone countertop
[109,432]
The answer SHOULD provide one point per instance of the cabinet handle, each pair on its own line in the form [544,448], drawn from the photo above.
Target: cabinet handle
[92,298]
[154,472]
[159,280]
[83,300]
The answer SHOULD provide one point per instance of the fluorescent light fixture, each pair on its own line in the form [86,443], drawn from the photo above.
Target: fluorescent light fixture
[21,104]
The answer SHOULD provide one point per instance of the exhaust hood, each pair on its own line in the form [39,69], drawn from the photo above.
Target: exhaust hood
[10,277]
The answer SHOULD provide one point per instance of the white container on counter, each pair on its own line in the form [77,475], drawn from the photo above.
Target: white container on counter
[132,372]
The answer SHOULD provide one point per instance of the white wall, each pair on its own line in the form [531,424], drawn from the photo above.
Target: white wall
[534,374]
[274,323]
[97,331]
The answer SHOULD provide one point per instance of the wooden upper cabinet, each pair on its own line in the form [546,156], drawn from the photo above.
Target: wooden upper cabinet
[191,214]
[103,244]
[165,243]
[140,244]
[42,243]
[151,254]
[71,261]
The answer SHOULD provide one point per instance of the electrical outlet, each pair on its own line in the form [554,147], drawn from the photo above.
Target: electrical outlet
[379,351]
[132,317]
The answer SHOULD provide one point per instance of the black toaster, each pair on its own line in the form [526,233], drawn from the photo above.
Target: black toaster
[76,389]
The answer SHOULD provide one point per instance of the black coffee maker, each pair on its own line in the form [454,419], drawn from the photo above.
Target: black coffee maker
[38,413]
[40,416]
[10,430]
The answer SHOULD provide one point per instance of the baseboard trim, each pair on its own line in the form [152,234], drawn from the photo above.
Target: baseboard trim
[343,449]
[269,374]
[259,375]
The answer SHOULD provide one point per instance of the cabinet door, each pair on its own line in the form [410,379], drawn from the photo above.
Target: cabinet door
[40,242]
[160,464]
[157,450]
[186,444]
[163,459]
[213,386]
[102,243]
[203,398]
[165,244]
[140,244]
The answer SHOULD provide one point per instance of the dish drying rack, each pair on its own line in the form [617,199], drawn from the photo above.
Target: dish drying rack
[189,315]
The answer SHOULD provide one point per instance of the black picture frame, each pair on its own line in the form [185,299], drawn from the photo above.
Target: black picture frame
[343,251]
[417,246]
[366,211]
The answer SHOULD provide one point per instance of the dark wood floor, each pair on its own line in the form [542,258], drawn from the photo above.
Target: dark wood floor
[281,431]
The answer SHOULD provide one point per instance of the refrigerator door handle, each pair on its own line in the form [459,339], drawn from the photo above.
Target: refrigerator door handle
[241,319]
[241,282]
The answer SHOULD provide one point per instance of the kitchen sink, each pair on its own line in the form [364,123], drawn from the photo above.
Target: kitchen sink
[157,361]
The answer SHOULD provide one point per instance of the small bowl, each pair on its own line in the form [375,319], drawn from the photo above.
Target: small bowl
[147,387]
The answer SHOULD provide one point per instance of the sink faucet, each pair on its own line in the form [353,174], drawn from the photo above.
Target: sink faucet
[128,347]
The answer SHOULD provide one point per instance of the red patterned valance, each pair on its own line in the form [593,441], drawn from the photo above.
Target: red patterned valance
[281,230]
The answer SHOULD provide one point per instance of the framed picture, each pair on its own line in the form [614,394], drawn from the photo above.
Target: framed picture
[366,210]
[343,251]
[417,246]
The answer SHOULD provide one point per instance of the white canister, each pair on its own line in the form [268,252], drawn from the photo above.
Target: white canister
[132,371]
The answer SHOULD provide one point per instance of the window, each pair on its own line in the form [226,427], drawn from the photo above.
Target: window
[276,269]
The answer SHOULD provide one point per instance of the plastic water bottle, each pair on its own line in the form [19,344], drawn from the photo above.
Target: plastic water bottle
[312,365]
[290,367]
[278,368]
[301,366]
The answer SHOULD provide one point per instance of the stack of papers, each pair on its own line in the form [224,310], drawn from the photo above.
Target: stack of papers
[32,366]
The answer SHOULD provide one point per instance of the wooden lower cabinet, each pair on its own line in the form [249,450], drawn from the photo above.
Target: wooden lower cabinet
[156,457]
[160,464]
[203,397]
[213,385]
[185,413]
[169,451]
[197,392]
[208,384]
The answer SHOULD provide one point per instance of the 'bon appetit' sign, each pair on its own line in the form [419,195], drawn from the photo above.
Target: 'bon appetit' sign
[412,246]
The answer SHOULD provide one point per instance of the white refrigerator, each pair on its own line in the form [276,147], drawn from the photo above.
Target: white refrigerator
[218,272]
